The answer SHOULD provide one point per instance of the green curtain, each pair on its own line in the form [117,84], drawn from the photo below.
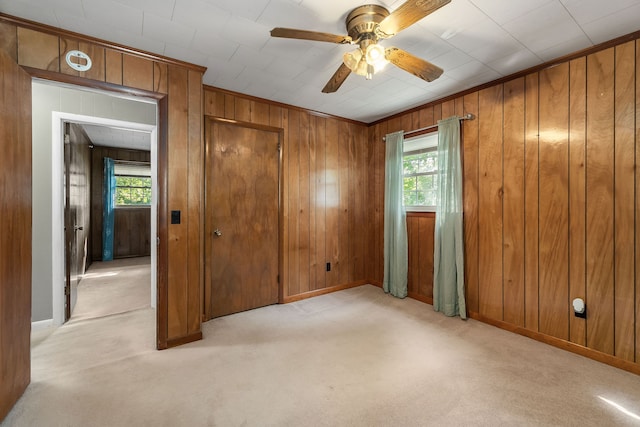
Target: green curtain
[448,263]
[396,260]
[108,206]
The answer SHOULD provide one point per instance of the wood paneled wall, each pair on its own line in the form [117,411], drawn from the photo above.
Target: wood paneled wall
[45,48]
[178,88]
[132,232]
[551,201]
[420,231]
[15,239]
[323,199]
[129,239]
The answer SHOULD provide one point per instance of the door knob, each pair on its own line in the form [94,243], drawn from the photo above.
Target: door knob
[217,232]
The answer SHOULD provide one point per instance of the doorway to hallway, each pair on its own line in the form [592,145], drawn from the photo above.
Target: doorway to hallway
[55,105]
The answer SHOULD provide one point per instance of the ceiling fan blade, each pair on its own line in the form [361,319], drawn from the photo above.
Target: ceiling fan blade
[412,64]
[408,14]
[291,33]
[337,79]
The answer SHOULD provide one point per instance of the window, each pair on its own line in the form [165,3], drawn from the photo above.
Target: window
[420,168]
[133,184]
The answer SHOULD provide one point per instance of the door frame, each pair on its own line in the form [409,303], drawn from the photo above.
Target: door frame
[208,122]
[57,193]
[162,238]
[68,245]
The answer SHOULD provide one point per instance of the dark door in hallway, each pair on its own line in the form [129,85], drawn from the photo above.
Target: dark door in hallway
[15,238]
[76,211]
[241,217]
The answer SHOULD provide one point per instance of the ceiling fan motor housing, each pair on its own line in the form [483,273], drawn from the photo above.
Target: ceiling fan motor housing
[363,20]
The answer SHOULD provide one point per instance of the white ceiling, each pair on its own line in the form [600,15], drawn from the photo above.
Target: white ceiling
[106,136]
[474,41]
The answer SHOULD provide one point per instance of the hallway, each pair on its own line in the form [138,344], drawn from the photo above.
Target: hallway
[113,287]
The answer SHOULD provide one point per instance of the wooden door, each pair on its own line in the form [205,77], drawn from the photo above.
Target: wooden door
[70,221]
[241,217]
[15,238]
[76,207]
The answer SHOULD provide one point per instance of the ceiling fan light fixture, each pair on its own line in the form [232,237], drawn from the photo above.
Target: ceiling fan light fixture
[362,68]
[356,62]
[375,55]
[352,59]
[364,64]
[370,71]
[366,25]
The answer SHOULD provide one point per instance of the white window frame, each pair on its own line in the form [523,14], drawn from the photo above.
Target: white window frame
[417,143]
[131,169]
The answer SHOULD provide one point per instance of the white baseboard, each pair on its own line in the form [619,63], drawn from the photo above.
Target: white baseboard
[41,325]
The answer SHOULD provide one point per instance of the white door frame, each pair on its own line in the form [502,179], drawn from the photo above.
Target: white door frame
[57,201]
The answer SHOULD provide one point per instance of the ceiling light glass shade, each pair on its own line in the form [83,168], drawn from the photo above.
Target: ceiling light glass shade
[359,63]
[375,55]
[352,59]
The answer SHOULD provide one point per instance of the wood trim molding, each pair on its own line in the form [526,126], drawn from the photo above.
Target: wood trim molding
[162,253]
[562,344]
[412,295]
[546,339]
[250,125]
[421,214]
[81,37]
[324,291]
[281,219]
[175,342]
[282,105]
[584,52]
[421,298]
[91,84]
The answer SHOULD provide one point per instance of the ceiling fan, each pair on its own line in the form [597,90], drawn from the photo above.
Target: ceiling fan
[366,25]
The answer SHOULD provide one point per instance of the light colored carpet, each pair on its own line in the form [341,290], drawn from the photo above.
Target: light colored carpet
[113,287]
[353,358]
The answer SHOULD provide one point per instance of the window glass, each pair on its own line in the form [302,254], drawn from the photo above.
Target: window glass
[420,166]
[133,184]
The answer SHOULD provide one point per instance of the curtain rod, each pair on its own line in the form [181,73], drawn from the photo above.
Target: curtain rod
[467,116]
